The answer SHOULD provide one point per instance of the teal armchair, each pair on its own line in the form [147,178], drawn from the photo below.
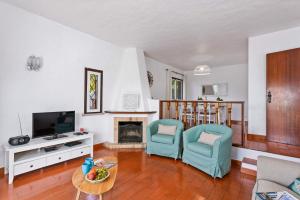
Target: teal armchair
[214,160]
[164,145]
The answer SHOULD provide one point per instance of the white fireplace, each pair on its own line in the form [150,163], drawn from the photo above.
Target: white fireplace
[129,128]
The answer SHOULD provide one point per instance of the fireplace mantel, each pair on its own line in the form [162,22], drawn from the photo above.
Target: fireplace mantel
[129,112]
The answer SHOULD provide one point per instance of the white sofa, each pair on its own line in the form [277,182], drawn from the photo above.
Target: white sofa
[274,175]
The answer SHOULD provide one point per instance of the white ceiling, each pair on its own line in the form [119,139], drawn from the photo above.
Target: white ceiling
[182,33]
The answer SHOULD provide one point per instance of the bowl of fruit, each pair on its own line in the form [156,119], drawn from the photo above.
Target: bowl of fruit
[97,175]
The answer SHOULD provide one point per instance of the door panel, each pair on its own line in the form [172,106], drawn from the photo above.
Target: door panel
[283,112]
[293,110]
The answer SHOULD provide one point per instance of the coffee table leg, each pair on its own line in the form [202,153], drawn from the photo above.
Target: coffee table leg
[100,197]
[78,194]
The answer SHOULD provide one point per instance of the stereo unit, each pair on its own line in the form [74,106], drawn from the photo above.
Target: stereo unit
[19,140]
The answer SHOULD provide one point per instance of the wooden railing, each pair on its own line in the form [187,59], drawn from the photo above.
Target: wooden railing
[193,113]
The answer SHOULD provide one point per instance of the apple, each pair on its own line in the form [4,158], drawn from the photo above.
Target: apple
[91,176]
[93,170]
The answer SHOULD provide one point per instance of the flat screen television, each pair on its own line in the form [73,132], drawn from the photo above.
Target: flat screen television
[52,123]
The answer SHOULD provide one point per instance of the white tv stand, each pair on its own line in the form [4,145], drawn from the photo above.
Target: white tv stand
[31,156]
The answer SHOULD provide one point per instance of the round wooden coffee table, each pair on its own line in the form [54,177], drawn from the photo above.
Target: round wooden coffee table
[95,188]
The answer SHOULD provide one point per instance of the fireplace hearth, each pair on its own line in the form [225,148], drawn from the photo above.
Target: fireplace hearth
[130,132]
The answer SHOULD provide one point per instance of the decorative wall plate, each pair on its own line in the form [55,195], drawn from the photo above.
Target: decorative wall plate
[150,78]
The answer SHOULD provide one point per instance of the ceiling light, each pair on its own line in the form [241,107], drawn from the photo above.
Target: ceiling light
[202,70]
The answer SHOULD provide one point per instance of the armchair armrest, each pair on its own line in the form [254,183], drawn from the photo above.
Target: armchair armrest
[216,149]
[178,134]
[222,147]
[191,135]
[152,129]
[280,171]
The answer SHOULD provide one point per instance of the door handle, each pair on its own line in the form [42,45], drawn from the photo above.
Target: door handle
[269,96]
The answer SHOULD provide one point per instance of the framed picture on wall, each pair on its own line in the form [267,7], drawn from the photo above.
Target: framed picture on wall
[93,85]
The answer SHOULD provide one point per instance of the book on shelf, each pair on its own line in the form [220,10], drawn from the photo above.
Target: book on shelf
[275,196]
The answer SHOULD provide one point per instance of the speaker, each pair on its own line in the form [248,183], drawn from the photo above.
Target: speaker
[19,140]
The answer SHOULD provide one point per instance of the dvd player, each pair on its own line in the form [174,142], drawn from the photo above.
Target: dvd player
[70,144]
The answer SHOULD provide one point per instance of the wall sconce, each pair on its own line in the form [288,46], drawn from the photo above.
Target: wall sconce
[34,63]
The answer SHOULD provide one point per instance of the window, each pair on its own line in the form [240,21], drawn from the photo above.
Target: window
[177,88]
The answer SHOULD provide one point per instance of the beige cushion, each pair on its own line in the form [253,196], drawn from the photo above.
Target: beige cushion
[269,186]
[165,129]
[277,170]
[208,138]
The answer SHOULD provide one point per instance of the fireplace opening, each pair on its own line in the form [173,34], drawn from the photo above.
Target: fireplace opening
[130,132]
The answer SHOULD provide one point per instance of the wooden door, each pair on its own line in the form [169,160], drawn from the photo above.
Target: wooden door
[283,97]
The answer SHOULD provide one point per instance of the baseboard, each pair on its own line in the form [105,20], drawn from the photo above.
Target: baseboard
[249,166]
[2,172]
[98,146]
[238,122]
[124,146]
[256,137]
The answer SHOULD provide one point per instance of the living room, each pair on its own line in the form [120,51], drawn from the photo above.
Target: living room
[209,67]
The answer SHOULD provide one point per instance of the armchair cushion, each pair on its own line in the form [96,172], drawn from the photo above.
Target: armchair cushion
[201,148]
[165,129]
[272,169]
[163,138]
[207,138]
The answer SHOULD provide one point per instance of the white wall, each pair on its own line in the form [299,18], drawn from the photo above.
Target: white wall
[234,75]
[259,46]
[158,69]
[59,84]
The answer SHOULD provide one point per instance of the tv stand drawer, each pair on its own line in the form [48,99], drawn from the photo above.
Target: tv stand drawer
[80,152]
[58,158]
[29,166]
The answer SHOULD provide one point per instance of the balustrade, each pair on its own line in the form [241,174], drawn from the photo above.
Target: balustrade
[193,113]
